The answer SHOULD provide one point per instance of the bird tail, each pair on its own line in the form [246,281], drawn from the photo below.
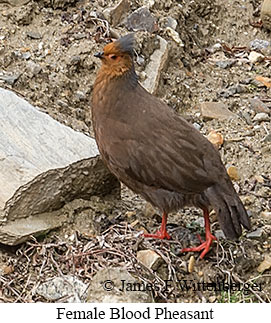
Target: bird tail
[230,210]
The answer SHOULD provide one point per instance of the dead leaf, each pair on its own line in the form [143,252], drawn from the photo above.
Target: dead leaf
[266,81]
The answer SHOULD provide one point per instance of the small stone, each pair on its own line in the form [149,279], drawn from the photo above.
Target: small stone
[259,179]
[141,19]
[65,286]
[262,116]
[233,173]
[149,258]
[267,138]
[200,222]
[171,22]
[220,234]
[266,215]
[212,299]
[255,57]
[191,264]
[114,14]
[215,138]
[259,44]
[266,14]
[34,35]
[225,64]
[258,105]
[33,68]
[215,110]
[255,234]
[265,265]
[10,79]
[175,36]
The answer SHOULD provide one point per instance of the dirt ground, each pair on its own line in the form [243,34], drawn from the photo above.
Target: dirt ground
[47,49]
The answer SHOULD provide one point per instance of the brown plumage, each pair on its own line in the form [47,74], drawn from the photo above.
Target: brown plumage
[157,153]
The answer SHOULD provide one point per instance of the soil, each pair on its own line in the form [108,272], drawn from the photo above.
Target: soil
[49,45]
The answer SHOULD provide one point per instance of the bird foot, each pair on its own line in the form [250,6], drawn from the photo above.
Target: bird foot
[205,245]
[158,235]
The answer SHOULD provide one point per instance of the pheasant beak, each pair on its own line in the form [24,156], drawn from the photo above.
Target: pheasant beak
[99,54]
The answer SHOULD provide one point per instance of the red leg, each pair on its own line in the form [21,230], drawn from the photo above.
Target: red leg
[162,233]
[205,245]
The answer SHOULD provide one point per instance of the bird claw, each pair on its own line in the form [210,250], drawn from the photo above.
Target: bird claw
[158,235]
[205,245]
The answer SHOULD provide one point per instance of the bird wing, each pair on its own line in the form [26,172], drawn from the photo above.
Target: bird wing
[162,150]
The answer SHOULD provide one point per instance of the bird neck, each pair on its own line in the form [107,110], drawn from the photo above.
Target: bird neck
[118,74]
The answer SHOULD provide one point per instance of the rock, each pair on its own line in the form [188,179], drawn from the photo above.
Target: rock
[33,68]
[115,14]
[266,14]
[262,116]
[225,64]
[255,57]
[171,22]
[66,289]
[44,165]
[259,44]
[258,105]
[265,81]
[255,234]
[106,287]
[24,15]
[215,138]
[15,3]
[149,258]
[220,234]
[235,89]
[215,110]
[191,264]
[155,66]
[267,138]
[174,35]
[233,173]
[10,79]
[34,35]
[141,19]
[266,215]
[265,265]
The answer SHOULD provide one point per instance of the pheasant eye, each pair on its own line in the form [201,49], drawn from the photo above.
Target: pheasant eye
[113,56]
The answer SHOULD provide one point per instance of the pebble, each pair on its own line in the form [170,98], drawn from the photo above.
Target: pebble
[149,258]
[10,79]
[215,110]
[255,57]
[141,19]
[261,116]
[259,44]
[220,234]
[255,234]
[225,64]
[172,23]
[215,138]
[233,173]
[266,215]
[191,264]
[257,105]
[265,264]
[175,36]
[266,14]
[33,68]
[34,35]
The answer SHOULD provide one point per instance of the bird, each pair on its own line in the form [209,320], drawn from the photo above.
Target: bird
[157,153]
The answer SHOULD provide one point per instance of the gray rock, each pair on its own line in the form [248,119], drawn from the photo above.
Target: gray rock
[10,79]
[33,68]
[262,116]
[156,64]
[141,19]
[255,234]
[34,35]
[226,63]
[44,165]
[66,289]
[258,44]
[106,286]
[215,110]
[115,14]
[257,105]
[172,23]
[220,234]
[255,57]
